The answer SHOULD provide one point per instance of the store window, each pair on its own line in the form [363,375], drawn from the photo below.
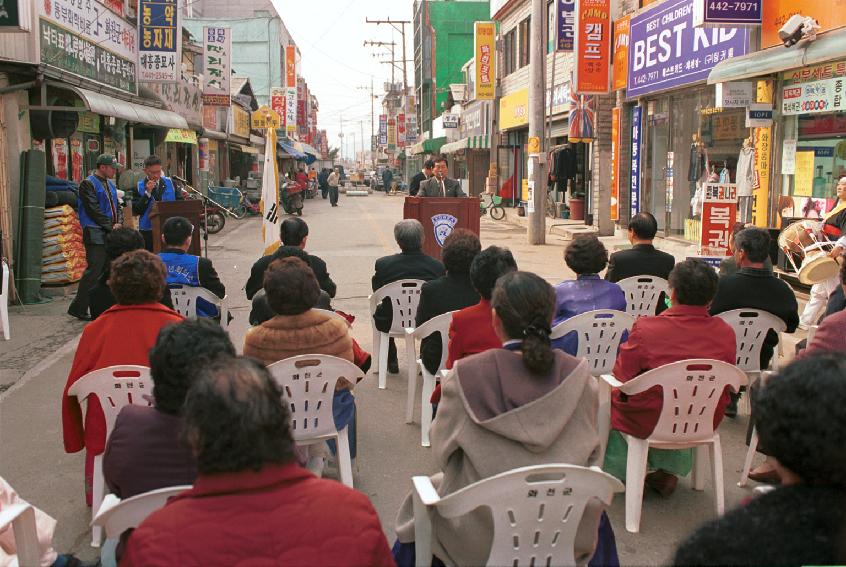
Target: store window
[525,28]
[509,52]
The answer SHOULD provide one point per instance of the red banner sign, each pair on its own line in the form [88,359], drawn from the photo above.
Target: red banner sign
[615,163]
[593,46]
[719,213]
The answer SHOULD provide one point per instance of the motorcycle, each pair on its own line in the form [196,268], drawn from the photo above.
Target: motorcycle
[213,217]
[291,198]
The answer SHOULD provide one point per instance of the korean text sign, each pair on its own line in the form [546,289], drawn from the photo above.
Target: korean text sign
[666,51]
[719,212]
[160,41]
[637,114]
[615,163]
[290,89]
[485,35]
[621,52]
[566,22]
[593,47]
[217,51]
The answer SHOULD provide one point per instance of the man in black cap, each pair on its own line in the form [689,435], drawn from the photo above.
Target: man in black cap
[99,214]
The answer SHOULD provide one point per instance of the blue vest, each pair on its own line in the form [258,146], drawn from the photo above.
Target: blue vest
[102,199]
[169,194]
[183,269]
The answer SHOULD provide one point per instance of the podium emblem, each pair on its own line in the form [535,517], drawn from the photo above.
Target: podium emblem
[444,223]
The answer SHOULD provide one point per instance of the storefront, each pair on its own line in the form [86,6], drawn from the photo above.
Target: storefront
[512,160]
[470,155]
[683,137]
[212,147]
[179,149]
[242,156]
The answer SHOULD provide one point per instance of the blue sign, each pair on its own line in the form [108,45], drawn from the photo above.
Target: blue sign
[637,113]
[566,10]
[713,261]
[666,51]
[159,41]
[709,13]
[760,114]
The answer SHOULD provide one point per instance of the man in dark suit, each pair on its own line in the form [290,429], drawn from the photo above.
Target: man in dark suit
[642,259]
[293,232]
[450,292]
[412,264]
[420,177]
[440,185]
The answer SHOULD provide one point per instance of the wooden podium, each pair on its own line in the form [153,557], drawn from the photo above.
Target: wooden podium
[191,209]
[440,216]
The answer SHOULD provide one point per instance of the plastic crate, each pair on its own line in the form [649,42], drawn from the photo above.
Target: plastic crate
[228,197]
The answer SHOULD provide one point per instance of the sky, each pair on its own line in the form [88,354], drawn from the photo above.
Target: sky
[335,63]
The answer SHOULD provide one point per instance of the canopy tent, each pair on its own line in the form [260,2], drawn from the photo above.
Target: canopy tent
[470,142]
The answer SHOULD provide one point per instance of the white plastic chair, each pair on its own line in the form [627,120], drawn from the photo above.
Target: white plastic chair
[439,324]
[22,519]
[691,390]
[643,294]
[309,384]
[404,296]
[115,387]
[185,302]
[600,333]
[750,330]
[536,511]
[116,515]
[4,300]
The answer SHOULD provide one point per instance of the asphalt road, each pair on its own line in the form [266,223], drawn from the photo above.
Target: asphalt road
[35,363]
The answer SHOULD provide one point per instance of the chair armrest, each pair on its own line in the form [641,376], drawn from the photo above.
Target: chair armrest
[108,504]
[425,490]
[611,381]
[11,513]
[409,331]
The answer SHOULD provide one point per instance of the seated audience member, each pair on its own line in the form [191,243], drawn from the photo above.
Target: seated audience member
[490,408]
[118,241]
[292,232]
[831,333]
[684,331]
[410,264]
[642,259]
[145,451]
[803,522]
[186,269]
[728,266]
[586,256]
[123,334]
[298,328]
[449,292]
[251,503]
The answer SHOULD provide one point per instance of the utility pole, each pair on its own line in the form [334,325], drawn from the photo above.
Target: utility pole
[390,44]
[373,97]
[537,90]
[398,25]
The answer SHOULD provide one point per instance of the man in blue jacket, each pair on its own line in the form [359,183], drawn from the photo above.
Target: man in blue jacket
[99,214]
[153,187]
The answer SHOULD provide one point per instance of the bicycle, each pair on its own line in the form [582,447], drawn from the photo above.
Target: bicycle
[551,206]
[493,204]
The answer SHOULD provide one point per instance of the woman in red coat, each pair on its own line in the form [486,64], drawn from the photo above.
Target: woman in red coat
[123,334]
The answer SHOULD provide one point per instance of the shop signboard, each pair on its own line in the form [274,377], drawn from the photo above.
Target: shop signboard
[712,13]
[759,115]
[473,120]
[240,122]
[76,157]
[803,178]
[485,54]
[203,152]
[160,45]
[392,134]
[736,94]
[566,25]
[621,52]
[411,127]
[277,103]
[89,40]
[383,129]
[828,95]
[719,211]
[812,73]
[89,123]
[593,47]
[290,89]
[217,53]
[211,120]
[560,98]
[637,115]
[264,118]
[829,14]
[666,51]
[788,157]
[451,120]
[181,136]
[182,98]
[401,130]
[514,110]
[761,186]
[615,163]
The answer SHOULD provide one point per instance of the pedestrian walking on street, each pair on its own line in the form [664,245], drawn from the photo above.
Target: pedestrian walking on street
[387,179]
[99,214]
[333,181]
[322,182]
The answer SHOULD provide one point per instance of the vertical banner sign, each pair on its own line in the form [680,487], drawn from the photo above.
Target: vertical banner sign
[290,89]
[383,129]
[484,34]
[719,211]
[764,92]
[621,52]
[217,52]
[565,25]
[637,113]
[593,47]
[160,41]
[277,103]
[392,133]
[401,130]
[615,164]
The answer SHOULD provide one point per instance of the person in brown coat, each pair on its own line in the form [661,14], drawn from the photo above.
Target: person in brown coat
[521,405]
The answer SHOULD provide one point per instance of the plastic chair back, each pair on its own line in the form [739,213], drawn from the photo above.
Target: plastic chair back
[308,382]
[439,324]
[691,391]
[536,510]
[185,298]
[117,515]
[404,296]
[4,299]
[600,333]
[750,330]
[115,387]
[21,517]
[643,293]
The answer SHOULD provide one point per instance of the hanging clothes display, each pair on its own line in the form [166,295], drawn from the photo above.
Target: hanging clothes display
[745,180]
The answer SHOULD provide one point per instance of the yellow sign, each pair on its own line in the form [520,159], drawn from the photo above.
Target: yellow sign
[265,118]
[803,180]
[534,145]
[240,121]
[763,160]
[514,110]
[181,136]
[485,45]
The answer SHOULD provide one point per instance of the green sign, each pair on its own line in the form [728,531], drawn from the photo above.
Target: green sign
[9,16]
[76,54]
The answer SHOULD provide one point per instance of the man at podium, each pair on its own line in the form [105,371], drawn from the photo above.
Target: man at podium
[151,188]
[440,185]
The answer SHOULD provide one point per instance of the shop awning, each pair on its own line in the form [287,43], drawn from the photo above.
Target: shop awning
[180,136]
[213,134]
[471,142]
[257,141]
[428,146]
[310,150]
[292,151]
[247,149]
[827,46]
[105,105]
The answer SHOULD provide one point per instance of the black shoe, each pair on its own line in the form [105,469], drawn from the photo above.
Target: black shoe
[393,367]
[80,316]
[731,408]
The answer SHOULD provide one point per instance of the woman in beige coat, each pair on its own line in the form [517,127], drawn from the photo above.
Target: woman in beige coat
[524,404]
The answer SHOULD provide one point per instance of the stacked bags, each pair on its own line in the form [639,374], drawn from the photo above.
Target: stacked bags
[61,192]
[63,254]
